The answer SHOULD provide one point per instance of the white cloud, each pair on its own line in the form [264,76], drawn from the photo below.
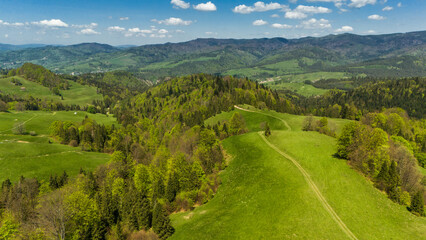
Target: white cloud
[173,21]
[387,8]
[89,31]
[115,29]
[124,18]
[399,4]
[302,11]
[275,15]
[91,25]
[211,33]
[179,31]
[344,29]
[259,22]
[315,24]
[51,23]
[376,17]
[137,30]
[361,3]
[281,26]
[6,35]
[163,31]
[258,7]
[16,24]
[180,4]
[312,9]
[371,32]
[206,7]
[295,15]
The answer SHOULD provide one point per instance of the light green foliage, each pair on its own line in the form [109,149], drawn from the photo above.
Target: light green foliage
[82,214]
[118,187]
[237,124]
[8,227]
[143,179]
[117,157]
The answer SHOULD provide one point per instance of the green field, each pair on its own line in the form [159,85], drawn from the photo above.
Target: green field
[77,94]
[33,156]
[265,196]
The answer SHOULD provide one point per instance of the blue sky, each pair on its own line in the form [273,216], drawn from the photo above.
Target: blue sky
[157,21]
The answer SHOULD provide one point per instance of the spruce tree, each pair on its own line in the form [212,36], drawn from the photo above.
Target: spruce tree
[161,222]
[383,176]
[267,129]
[417,204]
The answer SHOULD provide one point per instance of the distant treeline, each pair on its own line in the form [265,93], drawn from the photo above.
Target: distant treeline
[408,94]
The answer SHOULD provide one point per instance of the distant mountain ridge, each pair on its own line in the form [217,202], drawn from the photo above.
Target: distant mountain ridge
[271,56]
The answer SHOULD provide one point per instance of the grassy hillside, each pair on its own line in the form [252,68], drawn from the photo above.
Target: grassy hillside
[34,156]
[77,93]
[264,196]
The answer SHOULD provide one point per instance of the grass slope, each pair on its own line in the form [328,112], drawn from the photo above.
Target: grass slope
[264,196]
[33,156]
[77,94]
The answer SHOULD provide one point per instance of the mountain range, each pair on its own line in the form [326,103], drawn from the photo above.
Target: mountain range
[400,54]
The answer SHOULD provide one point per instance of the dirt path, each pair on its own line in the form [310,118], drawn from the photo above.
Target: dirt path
[35,115]
[314,188]
[282,120]
[307,177]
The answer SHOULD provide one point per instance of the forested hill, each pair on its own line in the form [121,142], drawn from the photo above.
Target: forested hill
[377,55]
[408,94]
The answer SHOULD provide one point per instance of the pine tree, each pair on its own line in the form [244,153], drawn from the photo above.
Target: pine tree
[417,204]
[172,187]
[267,129]
[161,222]
[383,176]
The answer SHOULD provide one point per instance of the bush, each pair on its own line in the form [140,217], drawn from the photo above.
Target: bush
[3,106]
[73,143]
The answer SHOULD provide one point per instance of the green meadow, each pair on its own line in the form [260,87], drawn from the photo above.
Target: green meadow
[39,156]
[265,196]
[77,94]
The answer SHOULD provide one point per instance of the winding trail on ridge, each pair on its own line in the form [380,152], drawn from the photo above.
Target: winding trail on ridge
[307,177]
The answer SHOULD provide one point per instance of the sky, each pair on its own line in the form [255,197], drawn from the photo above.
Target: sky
[140,22]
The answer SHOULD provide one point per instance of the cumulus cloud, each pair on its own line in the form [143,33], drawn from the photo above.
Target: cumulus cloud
[91,25]
[124,18]
[173,21]
[376,17]
[275,15]
[371,32]
[295,15]
[344,29]
[302,11]
[206,7]
[281,26]
[51,23]
[180,4]
[361,3]
[211,33]
[16,24]
[314,23]
[152,33]
[399,4]
[89,31]
[259,22]
[258,7]
[137,30]
[387,8]
[115,29]
[163,31]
